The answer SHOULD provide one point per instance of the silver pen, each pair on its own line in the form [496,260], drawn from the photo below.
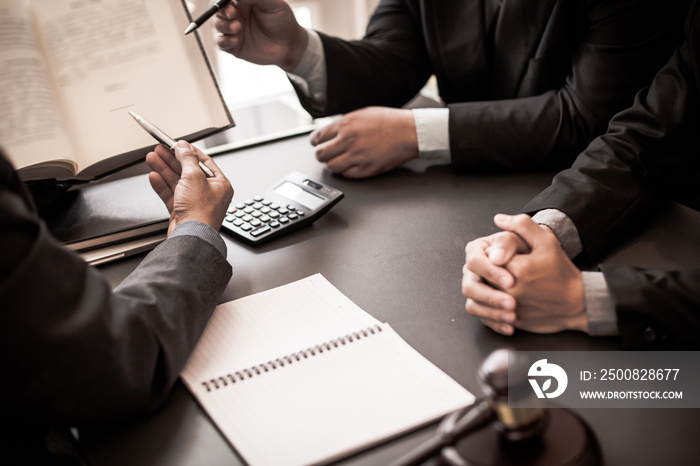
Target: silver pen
[163,138]
[214,9]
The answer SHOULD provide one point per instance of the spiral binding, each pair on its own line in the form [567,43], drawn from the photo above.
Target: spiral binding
[243,374]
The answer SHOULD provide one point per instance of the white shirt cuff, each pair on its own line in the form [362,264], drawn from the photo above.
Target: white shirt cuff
[310,73]
[600,310]
[432,129]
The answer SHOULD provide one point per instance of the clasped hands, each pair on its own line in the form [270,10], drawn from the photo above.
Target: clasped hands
[521,278]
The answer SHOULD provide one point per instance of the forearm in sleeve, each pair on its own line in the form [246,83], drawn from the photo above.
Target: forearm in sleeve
[310,75]
[74,351]
[431,124]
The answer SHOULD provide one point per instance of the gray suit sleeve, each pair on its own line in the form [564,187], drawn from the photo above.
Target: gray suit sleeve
[74,352]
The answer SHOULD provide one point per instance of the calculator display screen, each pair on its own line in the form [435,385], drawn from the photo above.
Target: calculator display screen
[302,196]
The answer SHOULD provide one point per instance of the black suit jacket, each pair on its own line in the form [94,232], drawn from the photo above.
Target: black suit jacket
[72,351]
[650,154]
[531,94]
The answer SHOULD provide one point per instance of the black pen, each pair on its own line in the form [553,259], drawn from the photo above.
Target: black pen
[163,138]
[208,14]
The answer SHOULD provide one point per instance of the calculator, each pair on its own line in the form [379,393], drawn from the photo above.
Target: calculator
[293,202]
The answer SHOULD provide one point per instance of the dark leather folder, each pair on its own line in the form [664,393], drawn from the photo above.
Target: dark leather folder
[108,220]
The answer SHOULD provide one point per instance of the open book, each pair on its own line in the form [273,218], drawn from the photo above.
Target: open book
[300,375]
[71,70]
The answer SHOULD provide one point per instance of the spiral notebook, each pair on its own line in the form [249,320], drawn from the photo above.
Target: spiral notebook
[301,375]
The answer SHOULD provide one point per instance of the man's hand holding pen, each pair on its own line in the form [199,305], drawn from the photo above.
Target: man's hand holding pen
[264,32]
[184,188]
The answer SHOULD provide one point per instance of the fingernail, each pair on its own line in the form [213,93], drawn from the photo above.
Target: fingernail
[504,282]
[183,145]
[507,316]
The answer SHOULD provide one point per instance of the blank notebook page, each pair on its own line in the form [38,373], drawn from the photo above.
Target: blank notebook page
[346,382]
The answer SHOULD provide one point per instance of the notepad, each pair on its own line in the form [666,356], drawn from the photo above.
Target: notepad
[301,375]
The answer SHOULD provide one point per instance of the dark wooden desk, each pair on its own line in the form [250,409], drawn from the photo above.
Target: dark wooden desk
[395,246]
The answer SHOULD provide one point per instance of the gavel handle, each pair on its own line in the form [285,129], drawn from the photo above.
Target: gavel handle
[475,417]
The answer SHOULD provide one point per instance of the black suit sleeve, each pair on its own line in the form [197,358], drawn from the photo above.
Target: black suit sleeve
[73,351]
[386,68]
[656,309]
[595,56]
[568,94]
[648,156]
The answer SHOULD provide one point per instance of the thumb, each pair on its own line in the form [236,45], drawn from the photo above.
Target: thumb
[504,246]
[187,157]
[523,226]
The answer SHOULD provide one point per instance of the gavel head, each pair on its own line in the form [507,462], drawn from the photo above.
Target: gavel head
[503,379]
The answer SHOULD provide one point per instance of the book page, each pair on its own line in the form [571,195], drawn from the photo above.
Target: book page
[329,401]
[112,56]
[31,130]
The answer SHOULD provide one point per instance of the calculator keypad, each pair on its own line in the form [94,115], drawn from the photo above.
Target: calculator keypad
[258,216]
